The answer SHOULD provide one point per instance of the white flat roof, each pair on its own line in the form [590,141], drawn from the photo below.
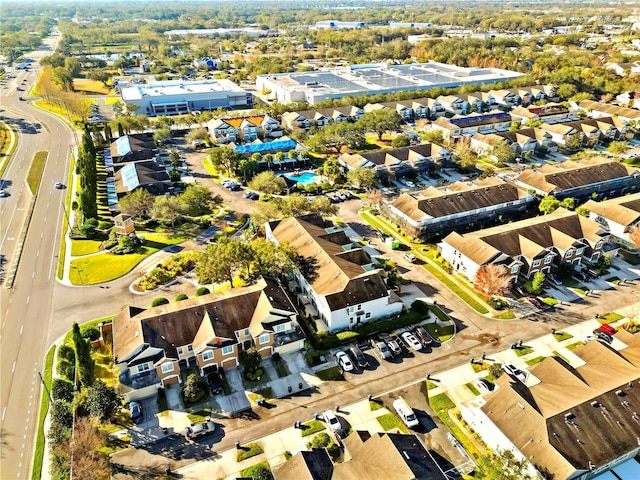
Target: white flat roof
[177,87]
[380,77]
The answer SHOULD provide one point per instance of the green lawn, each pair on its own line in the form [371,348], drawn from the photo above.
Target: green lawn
[200,416]
[550,301]
[282,369]
[247,451]
[610,317]
[506,315]
[332,373]
[561,336]
[521,351]
[107,266]
[431,385]
[375,405]
[535,361]
[557,354]
[440,333]
[389,421]
[479,367]
[472,388]
[311,427]
[38,454]
[573,346]
[80,248]
[35,171]
[256,471]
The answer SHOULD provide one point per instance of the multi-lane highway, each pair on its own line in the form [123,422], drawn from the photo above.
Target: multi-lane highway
[25,309]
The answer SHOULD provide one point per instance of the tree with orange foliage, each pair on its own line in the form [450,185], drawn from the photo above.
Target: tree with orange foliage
[492,280]
[634,235]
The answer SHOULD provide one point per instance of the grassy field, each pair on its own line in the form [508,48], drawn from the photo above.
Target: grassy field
[65,226]
[389,421]
[311,427]
[248,451]
[561,336]
[535,361]
[84,247]
[522,351]
[440,274]
[90,87]
[38,454]
[610,317]
[35,171]
[107,266]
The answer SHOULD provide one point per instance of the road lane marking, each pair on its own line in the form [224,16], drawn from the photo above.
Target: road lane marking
[28,298]
[21,328]
[38,253]
[4,412]
[33,275]
[13,369]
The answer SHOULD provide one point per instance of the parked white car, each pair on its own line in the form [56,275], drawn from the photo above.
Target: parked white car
[515,372]
[411,340]
[344,362]
[332,421]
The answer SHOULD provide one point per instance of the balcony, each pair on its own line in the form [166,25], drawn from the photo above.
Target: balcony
[290,336]
[137,382]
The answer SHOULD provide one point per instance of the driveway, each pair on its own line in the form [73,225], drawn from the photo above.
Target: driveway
[236,400]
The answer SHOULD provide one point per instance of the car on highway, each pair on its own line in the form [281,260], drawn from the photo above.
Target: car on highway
[485,385]
[4,193]
[330,419]
[199,429]
[383,350]
[514,372]
[136,412]
[344,362]
[392,343]
[58,185]
[411,340]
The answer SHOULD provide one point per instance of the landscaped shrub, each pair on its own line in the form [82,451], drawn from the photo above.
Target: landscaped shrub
[66,370]
[91,332]
[159,301]
[349,334]
[67,353]
[169,270]
[202,291]
[180,296]
[251,364]
[61,414]
[321,440]
[103,402]
[497,303]
[420,307]
[193,389]
[62,389]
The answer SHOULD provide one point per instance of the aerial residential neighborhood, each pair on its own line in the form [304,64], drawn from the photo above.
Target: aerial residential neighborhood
[341,240]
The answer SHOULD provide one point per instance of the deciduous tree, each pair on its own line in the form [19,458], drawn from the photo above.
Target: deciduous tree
[103,402]
[380,121]
[137,203]
[268,182]
[492,280]
[196,200]
[549,204]
[167,209]
[362,177]
[222,261]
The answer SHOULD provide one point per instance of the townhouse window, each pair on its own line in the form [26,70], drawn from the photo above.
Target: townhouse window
[263,339]
[228,350]
[514,269]
[579,251]
[281,328]
[246,332]
[179,350]
[167,367]
[359,307]
[142,368]
[548,259]
[208,355]
[599,245]
[569,253]
[190,348]
[367,315]
[536,263]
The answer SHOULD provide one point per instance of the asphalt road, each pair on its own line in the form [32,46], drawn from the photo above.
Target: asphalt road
[26,308]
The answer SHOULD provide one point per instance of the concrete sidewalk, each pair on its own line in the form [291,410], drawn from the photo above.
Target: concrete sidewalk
[359,416]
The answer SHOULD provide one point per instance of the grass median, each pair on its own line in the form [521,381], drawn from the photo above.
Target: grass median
[6,146]
[38,454]
[65,225]
[35,171]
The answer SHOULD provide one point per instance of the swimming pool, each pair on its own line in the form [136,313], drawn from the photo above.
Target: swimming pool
[304,178]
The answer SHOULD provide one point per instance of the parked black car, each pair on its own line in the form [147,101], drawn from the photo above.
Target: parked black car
[602,335]
[392,343]
[214,379]
[423,336]
[359,357]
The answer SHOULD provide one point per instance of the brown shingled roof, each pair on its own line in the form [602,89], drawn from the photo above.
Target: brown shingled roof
[207,319]
[573,174]
[339,274]
[623,210]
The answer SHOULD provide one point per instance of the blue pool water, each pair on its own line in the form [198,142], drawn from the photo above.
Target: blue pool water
[304,178]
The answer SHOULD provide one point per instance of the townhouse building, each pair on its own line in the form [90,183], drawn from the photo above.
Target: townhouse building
[528,246]
[620,216]
[598,109]
[581,179]
[437,211]
[549,113]
[344,286]
[153,347]
[398,162]
[466,126]
[247,129]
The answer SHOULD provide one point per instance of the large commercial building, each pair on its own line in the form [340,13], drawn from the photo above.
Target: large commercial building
[371,79]
[176,97]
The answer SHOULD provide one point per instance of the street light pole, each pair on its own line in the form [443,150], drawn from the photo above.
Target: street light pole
[45,386]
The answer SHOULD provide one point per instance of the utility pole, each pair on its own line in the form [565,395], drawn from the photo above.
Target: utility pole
[45,386]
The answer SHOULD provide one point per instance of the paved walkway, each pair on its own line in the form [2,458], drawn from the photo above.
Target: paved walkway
[359,416]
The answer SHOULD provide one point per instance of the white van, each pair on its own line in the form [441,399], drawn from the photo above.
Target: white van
[405,412]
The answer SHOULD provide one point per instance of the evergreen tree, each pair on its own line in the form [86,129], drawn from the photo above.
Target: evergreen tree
[84,361]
